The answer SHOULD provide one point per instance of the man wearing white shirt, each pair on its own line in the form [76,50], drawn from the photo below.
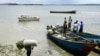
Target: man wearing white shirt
[75,27]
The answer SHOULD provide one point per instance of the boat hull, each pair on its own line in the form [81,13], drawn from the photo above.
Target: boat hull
[95,38]
[72,47]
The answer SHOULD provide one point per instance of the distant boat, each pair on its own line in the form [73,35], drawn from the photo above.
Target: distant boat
[28,18]
[72,42]
[72,12]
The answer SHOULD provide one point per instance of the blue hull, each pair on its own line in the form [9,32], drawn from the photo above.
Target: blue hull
[75,48]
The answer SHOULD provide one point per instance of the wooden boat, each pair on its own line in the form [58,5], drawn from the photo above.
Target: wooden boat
[28,18]
[72,12]
[72,42]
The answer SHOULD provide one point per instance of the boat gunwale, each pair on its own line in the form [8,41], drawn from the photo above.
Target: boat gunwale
[74,41]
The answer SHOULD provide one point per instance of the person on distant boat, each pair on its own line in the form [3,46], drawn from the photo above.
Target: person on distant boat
[65,20]
[76,21]
[65,26]
[75,27]
[69,23]
[54,29]
[81,27]
[57,26]
[48,27]
[51,26]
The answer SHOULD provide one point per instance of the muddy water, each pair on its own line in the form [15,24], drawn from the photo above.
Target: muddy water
[11,30]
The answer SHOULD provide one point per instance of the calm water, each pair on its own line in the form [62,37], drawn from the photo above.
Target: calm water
[11,30]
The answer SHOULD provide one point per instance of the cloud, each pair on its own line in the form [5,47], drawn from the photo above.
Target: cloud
[4,1]
[87,1]
[52,1]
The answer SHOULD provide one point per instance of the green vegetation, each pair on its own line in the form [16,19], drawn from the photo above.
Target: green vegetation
[20,45]
[9,50]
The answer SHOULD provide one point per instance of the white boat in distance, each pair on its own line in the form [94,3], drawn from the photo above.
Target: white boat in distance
[28,18]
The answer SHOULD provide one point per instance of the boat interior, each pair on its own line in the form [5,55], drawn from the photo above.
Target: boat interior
[70,36]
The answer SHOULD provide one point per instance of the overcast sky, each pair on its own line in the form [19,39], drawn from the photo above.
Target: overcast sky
[53,1]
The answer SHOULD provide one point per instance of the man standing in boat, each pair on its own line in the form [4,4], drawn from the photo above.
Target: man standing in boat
[69,23]
[65,26]
[81,27]
[75,26]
